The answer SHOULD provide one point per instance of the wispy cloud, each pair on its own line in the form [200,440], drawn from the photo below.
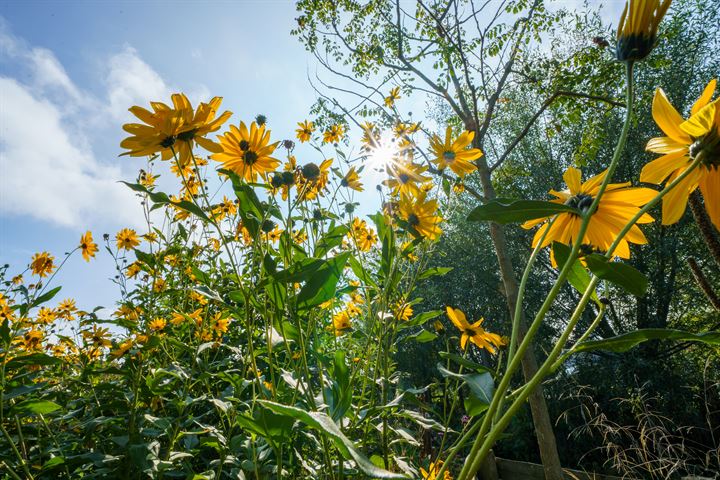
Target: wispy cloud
[48,168]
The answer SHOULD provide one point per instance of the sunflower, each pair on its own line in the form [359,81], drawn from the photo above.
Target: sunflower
[66,308]
[405,178]
[637,30]
[421,216]
[170,131]
[313,179]
[366,239]
[403,311]
[225,208]
[97,337]
[305,131]
[697,138]
[392,97]
[455,154]
[247,152]
[157,324]
[87,246]
[474,332]
[127,239]
[42,264]
[197,124]
[333,134]
[31,340]
[618,205]
[352,180]
[341,322]
[157,134]
[433,470]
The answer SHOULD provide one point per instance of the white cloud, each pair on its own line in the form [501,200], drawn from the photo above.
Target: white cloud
[48,172]
[131,81]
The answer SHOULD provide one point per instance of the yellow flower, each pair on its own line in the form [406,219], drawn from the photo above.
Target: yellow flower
[341,322]
[146,179]
[433,470]
[122,348]
[197,124]
[313,179]
[31,340]
[46,316]
[66,308]
[158,285]
[405,178]
[17,279]
[617,206]
[274,234]
[300,237]
[225,208]
[455,154]
[42,264]
[167,130]
[157,134]
[247,152]
[304,133]
[421,216]
[697,138]
[157,324]
[132,270]
[127,239]
[393,96]
[220,324]
[474,332]
[352,309]
[87,246]
[637,30]
[97,337]
[366,240]
[352,180]
[404,312]
[333,134]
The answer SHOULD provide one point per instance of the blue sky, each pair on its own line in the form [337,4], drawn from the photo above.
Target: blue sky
[68,72]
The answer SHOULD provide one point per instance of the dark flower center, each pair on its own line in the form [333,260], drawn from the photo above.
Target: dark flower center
[706,149]
[404,178]
[449,156]
[413,220]
[580,202]
[168,142]
[187,136]
[250,157]
[244,145]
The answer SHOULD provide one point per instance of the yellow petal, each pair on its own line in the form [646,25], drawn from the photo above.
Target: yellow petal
[457,317]
[667,118]
[710,188]
[705,97]
[573,179]
[632,196]
[702,122]
[658,170]
[675,202]
[665,145]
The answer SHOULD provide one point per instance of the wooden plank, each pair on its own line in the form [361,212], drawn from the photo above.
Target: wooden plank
[514,470]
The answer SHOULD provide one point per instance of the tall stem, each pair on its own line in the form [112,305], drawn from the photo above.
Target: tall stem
[472,465]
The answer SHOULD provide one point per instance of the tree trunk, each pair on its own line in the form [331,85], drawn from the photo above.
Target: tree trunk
[540,415]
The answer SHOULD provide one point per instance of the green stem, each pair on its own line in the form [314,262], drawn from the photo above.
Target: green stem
[474,459]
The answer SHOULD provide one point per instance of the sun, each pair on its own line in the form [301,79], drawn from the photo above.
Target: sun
[384,151]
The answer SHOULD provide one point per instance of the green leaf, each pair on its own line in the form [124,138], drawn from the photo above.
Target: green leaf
[45,297]
[340,393]
[330,240]
[464,362]
[618,273]
[626,341]
[34,407]
[321,286]
[160,198]
[423,336]
[482,388]
[434,272]
[32,359]
[420,319]
[507,210]
[324,424]
[578,277]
